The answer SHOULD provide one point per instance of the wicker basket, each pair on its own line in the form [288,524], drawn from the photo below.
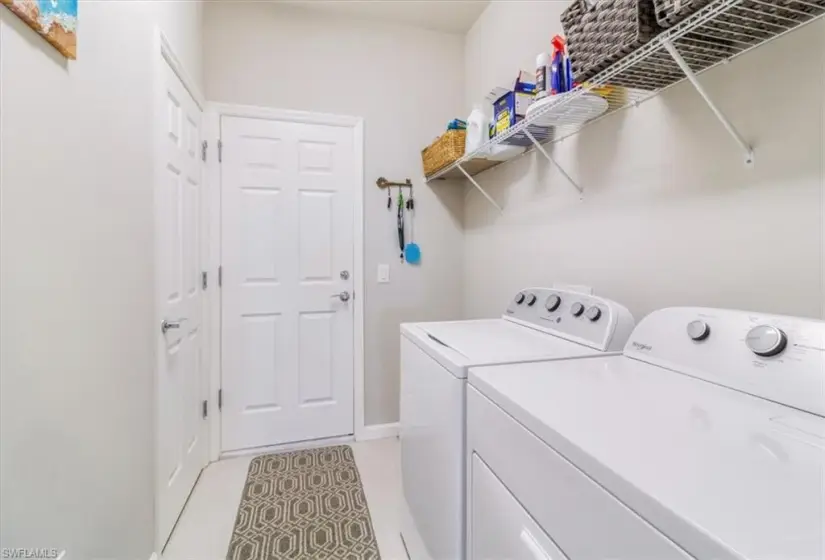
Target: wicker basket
[599,33]
[759,15]
[447,149]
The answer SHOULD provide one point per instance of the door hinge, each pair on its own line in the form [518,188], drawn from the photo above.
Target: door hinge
[220,276]
[220,150]
[204,280]
[204,145]
[220,399]
[205,409]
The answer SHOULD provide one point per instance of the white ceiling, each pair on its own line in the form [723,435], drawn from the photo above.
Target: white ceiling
[452,16]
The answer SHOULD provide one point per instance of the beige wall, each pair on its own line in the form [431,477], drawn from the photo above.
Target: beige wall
[76,280]
[406,83]
[670,214]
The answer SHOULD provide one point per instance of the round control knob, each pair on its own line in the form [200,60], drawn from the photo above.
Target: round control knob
[577,309]
[698,330]
[531,299]
[552,303]
[594,313]
[519,298]
[766,340]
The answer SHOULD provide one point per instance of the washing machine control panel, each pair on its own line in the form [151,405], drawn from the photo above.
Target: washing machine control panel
[584,318]
[770,356]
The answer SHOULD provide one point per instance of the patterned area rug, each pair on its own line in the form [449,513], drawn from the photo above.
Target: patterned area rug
[306,504]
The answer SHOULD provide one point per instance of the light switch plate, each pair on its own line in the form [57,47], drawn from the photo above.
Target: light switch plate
[383,273]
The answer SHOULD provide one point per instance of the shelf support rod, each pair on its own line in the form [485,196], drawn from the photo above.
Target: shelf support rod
[691,76]
[551,159]
[482,191]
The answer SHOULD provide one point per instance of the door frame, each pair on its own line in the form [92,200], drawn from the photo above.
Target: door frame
[212,115]
[165,54]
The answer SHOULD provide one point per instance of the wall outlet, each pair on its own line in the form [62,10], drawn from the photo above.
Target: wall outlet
[383,273]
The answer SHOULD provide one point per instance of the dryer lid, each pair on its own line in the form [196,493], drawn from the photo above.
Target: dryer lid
[723,473]
[494,341]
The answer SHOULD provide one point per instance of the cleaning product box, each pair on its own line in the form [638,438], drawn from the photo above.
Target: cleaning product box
[511,107]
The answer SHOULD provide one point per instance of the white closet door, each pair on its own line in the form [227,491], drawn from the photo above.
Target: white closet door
[287,254]
[182,429]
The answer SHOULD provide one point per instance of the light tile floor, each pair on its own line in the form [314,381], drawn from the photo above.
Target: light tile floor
[204,529]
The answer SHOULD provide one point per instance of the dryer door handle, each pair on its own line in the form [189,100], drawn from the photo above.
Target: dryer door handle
[533,546]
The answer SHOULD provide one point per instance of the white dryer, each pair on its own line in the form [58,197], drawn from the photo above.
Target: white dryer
[706,439]
[538,324]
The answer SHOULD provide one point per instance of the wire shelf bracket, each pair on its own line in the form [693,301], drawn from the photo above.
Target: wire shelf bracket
[482,191]
[552,160]
[694,80]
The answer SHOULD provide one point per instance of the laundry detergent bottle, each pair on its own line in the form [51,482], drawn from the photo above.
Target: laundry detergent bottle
[478,126]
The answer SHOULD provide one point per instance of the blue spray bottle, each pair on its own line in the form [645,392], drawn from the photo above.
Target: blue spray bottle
[557,66]
[562,71]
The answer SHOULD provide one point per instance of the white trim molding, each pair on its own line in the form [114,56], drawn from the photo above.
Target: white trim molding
[212,182]
[252,112]
[174,62]
[359,283]
[378,431]
[214,112]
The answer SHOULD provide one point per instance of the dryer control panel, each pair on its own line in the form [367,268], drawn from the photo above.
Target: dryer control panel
[587,319]
[775,357]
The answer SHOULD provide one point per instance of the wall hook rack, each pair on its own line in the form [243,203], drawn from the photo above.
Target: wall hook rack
[383,183]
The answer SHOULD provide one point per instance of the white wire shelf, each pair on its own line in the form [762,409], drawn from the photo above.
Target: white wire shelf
[719,32]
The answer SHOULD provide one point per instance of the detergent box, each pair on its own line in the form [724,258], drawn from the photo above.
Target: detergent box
[511,107]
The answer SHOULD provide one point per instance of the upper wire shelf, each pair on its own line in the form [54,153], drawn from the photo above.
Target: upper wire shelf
[716,34]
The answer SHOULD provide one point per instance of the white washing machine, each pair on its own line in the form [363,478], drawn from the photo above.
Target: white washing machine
[706,439]
[538,324]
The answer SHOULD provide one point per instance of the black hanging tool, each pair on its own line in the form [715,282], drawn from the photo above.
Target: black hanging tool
[410,200]
[401,222]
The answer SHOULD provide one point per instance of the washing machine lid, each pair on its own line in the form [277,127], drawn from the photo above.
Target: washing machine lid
[723,473]
[457,345]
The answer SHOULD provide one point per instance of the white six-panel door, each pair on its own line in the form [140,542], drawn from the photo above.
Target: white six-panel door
[287,199]
[182,430]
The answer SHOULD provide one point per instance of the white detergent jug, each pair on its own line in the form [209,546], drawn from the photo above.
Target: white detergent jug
[478,130]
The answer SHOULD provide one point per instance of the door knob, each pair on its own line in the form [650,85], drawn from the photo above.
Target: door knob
[167,325]
[343,296]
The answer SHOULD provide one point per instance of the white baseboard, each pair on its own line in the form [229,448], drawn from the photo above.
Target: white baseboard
[309,444]
[378,431]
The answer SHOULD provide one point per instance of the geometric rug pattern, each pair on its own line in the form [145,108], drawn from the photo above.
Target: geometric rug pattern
[303,505]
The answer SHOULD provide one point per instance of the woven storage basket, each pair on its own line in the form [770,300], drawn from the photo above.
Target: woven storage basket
[763,16]
[448,148]
[599,33]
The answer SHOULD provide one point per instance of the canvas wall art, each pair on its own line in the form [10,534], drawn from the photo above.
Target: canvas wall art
[55,20]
